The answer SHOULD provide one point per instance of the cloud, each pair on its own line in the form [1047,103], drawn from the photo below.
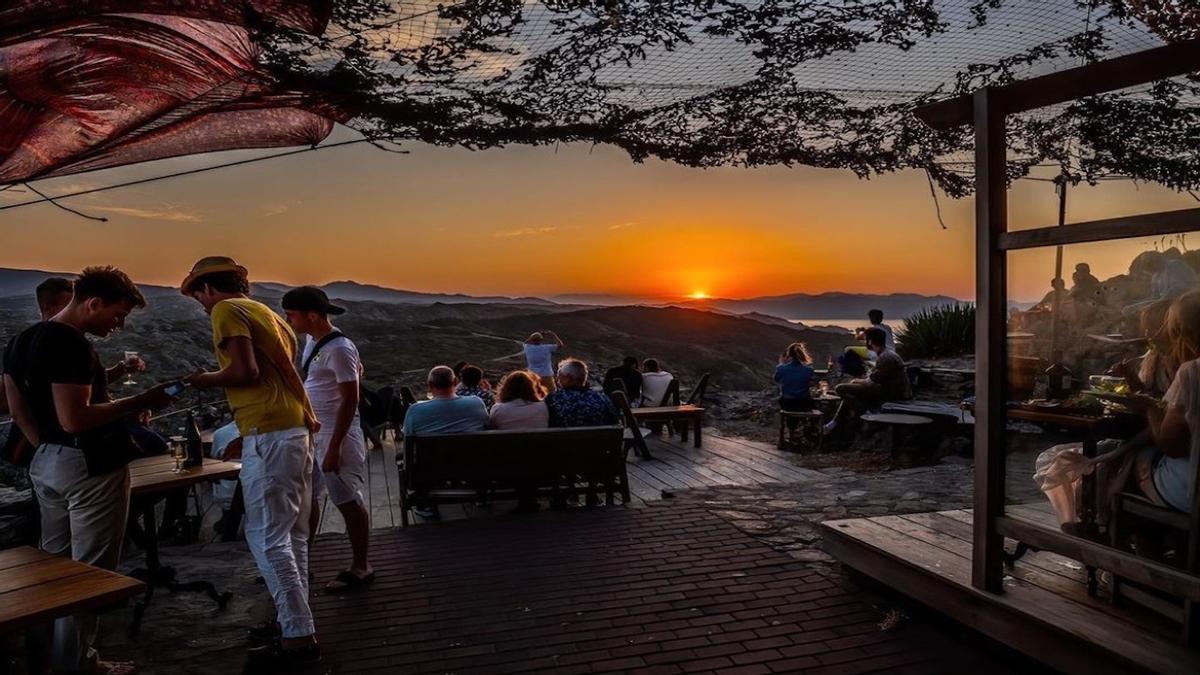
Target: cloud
[524,232]
[276,209]
[622,226]
[168,214]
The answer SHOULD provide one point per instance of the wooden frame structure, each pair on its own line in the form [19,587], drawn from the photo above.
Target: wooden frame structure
[987,109]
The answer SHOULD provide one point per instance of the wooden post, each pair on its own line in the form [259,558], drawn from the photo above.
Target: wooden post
[991,318]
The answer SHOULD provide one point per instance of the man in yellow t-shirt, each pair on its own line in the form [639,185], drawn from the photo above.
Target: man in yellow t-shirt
[256,352]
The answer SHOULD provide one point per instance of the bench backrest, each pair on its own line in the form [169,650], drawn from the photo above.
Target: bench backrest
[501,455]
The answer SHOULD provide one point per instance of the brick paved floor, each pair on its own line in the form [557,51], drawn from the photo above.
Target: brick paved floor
[667,588]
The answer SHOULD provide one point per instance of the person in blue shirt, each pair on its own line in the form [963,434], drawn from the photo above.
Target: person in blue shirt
[794,376]
[446,412]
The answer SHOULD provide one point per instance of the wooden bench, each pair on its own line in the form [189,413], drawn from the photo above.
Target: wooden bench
[453,468]
[688,415]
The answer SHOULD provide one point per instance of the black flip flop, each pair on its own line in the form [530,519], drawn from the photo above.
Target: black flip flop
[349,582]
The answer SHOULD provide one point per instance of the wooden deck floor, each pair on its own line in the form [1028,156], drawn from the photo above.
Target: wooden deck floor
[1044,612]
[676,466]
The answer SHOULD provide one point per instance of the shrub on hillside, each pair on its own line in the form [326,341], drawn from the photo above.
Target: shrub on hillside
[943,331]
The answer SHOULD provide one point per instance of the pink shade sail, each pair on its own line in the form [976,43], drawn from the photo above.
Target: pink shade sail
[309,16]
[109,90]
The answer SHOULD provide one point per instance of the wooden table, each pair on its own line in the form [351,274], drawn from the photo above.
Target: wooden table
[36,587]
[157,474]
[894,422]
[154,475]
[690,414]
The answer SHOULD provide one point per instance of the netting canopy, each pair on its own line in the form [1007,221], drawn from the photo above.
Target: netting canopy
[827,83]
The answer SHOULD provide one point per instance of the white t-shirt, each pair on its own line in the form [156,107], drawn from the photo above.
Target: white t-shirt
[1173,474]
[519,414]
[537,358]
[890,341]
[335,364]
[654,387]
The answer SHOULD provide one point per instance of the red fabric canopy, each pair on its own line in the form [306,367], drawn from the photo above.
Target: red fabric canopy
[78,94]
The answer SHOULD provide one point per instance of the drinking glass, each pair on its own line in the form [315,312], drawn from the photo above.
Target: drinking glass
[130,359]
[179,452]
[823,387]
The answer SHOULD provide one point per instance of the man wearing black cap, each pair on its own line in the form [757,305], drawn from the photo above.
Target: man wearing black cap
[331,369]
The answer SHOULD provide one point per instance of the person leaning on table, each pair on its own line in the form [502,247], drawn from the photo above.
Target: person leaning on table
[58,393]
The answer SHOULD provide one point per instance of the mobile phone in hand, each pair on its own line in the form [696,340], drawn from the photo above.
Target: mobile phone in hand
[175,389]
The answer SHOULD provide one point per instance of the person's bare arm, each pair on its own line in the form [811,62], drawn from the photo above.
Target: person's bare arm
[1170,430]
[4,409]
[21,414]
[557,340]
[348,392]
[242,369]
[77,414]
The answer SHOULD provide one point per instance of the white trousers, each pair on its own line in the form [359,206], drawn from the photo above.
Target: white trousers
[84,517]
[276,473]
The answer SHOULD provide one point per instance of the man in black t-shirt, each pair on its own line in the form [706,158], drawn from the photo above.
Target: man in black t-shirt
[629,377]
[58,393]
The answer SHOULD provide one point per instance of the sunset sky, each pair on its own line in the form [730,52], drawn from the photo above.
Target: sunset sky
[542,221]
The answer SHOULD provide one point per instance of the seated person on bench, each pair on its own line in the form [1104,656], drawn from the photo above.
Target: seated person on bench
[655,381]
[573,404]
[794,376]
[887,382]
[445,413]
[626,377]
[520,405]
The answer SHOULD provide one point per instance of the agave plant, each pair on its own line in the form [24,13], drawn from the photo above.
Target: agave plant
[944,330]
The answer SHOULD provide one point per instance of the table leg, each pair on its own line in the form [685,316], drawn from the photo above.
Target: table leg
[683,430]
[696,432]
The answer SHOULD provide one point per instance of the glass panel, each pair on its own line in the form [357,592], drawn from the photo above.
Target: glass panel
[1034,203]
[1086,357]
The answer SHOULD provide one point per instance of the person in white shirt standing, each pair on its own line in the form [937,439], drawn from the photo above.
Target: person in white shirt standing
[876,318]
[539,357]
[332,369]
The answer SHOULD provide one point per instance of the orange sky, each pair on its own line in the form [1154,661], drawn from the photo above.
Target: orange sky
[543,220]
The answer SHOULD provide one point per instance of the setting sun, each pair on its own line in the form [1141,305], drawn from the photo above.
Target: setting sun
[699,295]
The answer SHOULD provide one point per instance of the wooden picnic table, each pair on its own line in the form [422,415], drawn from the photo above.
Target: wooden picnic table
[690,414]
[154,475]
[36,586]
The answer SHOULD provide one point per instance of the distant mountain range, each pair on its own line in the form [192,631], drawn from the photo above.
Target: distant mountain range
[826,305]
[15,282]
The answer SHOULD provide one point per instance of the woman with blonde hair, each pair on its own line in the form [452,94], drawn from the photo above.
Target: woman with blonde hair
[1175,423]
[794,376]
[519,403]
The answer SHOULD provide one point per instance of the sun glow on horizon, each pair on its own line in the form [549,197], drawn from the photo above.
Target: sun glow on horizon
[699,295]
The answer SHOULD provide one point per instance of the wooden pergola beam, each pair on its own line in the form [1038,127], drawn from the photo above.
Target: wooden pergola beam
[1122,72]
[1125,227]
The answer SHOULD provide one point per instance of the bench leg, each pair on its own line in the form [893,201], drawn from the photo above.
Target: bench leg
[696,433]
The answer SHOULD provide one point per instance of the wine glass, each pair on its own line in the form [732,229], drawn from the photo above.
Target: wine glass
[130,361]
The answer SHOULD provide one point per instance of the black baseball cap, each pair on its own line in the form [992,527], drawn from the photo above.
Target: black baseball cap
[310,299]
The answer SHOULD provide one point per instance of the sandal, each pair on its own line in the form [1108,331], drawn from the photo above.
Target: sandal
[349,581]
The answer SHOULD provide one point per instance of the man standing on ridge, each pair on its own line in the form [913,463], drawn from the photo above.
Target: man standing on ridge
[331,369]
[256,352]
[538,357]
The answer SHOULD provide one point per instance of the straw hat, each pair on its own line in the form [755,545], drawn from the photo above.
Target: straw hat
[210,265]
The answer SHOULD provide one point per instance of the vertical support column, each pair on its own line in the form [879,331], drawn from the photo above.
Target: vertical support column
[991,277]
